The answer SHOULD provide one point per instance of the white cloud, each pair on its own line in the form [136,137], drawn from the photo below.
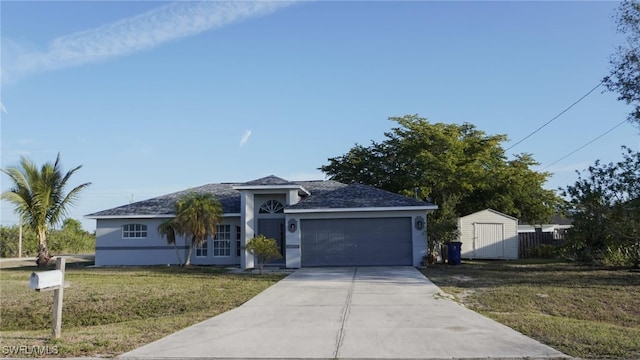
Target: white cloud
[2,108]
[245,137]
[153,28]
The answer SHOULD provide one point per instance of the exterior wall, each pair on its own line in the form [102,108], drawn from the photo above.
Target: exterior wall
[113,250]
[293,197]
[292,241]
[210,259]
[466,226]
[293,238]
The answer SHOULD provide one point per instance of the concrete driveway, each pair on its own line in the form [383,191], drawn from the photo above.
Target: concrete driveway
[348,313]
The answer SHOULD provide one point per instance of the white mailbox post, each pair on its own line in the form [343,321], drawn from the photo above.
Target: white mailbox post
[52,280]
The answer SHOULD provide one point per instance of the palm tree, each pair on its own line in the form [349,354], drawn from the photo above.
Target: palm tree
[39,198]
[197,215]
[170,229]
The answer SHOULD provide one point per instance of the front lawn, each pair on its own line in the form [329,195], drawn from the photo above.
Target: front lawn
[586,312]
[108,311]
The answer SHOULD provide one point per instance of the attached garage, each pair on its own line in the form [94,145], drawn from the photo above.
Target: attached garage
[356,242]
[488,234]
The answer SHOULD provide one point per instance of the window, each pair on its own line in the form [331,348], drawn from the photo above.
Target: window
[134,231]
[271,207]
[222,241]
[238,242]
[203,250]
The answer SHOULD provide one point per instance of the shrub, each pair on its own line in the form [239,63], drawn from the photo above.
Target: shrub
[544,251]
[68,240]
[9,241]
[264,249]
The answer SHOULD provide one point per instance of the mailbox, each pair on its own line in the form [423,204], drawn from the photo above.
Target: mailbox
[46,280]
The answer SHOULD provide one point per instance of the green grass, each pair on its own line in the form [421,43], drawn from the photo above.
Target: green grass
[108,311]
[586,312]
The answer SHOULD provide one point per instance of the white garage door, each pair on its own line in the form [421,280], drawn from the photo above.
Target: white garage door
[356,242]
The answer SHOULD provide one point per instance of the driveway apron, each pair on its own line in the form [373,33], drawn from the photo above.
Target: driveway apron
[348,313]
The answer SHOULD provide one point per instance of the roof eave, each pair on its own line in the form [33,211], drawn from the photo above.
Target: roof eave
[301,190]
[427,208]
[134,216]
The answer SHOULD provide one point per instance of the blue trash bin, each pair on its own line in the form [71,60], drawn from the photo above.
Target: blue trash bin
[453,252]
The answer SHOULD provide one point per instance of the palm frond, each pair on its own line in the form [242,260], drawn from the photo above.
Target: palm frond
[38,194]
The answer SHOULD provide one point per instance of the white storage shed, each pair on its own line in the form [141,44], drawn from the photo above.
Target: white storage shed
[488,234]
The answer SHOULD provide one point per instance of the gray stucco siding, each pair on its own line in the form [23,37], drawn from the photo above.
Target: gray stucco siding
[113,250]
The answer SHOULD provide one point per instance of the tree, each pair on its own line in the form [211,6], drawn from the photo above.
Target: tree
[9,239]
[39,198]
[264,249]
[606,212]
[197,215]
[68,239]
[169,229]
[72,225]
[71,238]
[458,167]
[624,76]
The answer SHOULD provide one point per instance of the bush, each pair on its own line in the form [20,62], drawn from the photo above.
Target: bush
[544,251]
[9,236]
[606,213]
[71,242]
[264,249]
[68,240]
[614,256]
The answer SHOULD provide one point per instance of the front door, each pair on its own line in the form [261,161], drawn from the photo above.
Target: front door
[274,229]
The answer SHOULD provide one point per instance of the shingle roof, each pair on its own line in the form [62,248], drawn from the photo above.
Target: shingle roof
[269,180]
[325,194]
[164,205]
[356,196]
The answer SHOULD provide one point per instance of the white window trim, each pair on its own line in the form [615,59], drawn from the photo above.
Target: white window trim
[143,229]
[227,239]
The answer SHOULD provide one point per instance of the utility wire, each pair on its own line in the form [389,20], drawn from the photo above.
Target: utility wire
[585,145]
[555,117]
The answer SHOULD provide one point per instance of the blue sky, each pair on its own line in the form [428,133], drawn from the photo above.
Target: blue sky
[156,97]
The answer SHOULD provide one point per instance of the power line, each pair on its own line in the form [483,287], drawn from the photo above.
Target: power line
[555,117]
[585,145]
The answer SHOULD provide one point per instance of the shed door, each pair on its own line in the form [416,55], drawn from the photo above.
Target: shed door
[489,240]
[356,242]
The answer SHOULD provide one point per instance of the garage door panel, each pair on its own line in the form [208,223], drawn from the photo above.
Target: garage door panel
[356,242]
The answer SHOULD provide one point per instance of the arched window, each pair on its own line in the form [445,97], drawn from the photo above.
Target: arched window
[271,207]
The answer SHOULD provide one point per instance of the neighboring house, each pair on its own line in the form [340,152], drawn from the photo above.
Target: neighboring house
[488,234]
[315,223]
[531,237]
[557,225]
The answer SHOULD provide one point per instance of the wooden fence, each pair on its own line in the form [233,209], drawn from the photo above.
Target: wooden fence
[531,240]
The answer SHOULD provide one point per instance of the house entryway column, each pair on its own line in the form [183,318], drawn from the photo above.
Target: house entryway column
[247,227]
